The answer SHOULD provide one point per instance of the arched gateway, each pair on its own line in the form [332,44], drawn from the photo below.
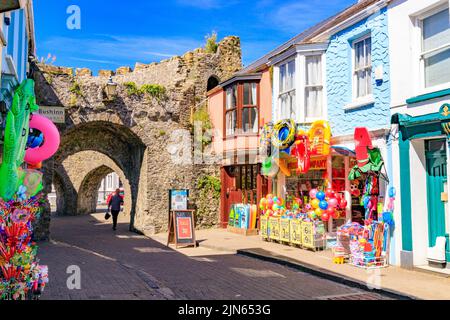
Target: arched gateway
[128,133]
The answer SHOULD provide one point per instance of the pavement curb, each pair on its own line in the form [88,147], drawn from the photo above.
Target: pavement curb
[323,273]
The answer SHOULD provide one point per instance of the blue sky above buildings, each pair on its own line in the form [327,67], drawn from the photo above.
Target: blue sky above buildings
[115,33]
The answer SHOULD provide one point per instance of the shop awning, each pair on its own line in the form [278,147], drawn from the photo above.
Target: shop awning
[344,151]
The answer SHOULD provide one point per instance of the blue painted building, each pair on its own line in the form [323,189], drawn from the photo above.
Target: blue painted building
[18,45]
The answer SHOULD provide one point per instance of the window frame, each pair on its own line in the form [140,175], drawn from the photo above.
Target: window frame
[365,68]
[305,86]
[281,94]
[240,107]
[422,71]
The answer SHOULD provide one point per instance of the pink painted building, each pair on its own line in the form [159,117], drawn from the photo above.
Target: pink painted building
[239,108]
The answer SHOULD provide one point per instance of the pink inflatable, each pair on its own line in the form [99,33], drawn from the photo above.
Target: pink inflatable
[51,140]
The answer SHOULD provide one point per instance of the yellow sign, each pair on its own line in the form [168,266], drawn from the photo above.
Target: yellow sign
[285,233]
[308,234]
[264,225]
[296,232]
[274,228]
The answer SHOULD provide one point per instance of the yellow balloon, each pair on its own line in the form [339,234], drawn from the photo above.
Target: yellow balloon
[315,203]
[318,212]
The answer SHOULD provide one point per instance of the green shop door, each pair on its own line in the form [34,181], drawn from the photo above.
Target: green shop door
[436,155]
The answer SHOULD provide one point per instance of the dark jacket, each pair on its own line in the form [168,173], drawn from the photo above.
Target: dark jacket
[115,202]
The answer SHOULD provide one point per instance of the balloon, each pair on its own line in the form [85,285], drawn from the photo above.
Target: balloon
[263,204]
[333,203]
[276,207]
[313,215]
[318,212]
[320,195]
[392,192]
[323,205]
[366,201]
[313,193]
[325,217]
[270,203]
[330,194]
[269,196]
[308,207]
[51,142]
[343,204]
[315,203]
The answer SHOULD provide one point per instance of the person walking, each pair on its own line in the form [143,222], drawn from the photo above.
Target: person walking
[114,205]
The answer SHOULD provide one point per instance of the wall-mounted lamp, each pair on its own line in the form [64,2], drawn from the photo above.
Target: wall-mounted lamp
[111,89]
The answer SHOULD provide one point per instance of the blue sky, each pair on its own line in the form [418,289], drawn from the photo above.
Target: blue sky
[115,33]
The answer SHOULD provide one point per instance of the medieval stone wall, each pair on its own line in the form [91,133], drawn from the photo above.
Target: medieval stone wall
[132,130]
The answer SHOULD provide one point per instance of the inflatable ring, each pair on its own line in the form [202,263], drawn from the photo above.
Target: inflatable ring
[320,138]
[51,140]
[284,134]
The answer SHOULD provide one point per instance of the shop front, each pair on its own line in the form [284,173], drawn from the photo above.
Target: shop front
[423,150]
[327,196]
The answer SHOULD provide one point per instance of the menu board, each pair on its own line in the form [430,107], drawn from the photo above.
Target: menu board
[182,228]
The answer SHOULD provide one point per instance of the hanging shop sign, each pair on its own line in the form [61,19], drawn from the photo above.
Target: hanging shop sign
[55,114]
[182,228]
[178,199]
[318,164]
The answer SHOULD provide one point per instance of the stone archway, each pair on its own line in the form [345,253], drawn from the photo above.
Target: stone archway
[88,194]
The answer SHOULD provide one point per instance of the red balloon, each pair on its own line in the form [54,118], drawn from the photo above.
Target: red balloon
[325,217]
[333,213]
[343,204]
[330,193]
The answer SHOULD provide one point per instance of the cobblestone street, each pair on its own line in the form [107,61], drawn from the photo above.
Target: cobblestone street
[125,266]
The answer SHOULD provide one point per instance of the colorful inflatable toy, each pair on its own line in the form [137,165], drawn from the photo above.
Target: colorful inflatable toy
[320,138]
[301,150]
[283,135]
[51,143]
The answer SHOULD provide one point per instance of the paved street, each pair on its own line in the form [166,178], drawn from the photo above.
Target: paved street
[124,266]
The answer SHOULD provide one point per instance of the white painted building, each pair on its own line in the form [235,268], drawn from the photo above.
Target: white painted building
[419,34]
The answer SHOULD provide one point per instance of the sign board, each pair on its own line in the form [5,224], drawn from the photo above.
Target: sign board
[285,233]
[264,225]
[274,227]
[296,232]
[182,228]
[178,199]
[318,164]
[308,234]
[55,114]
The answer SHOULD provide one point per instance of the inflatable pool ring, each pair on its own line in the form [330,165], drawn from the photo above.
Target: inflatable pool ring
[284,134]
[301,150]
[269,167]
[51,140]
[320,138]
[283,167]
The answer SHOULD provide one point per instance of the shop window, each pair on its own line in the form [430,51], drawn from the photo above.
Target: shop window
[435,54]
[287,97]
[362,67]
[313,87]
[242,109]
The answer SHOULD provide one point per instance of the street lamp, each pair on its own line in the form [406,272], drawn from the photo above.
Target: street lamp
[111,88]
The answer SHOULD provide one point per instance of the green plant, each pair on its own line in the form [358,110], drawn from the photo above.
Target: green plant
[209,184]
[154,90]
[76,89]
[73,100]
[132,88]
[202,115]
[162,133]
[211,43]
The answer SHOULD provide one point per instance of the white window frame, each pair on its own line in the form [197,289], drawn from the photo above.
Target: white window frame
[359,101]
[420,53]
[303,86]
[292,90]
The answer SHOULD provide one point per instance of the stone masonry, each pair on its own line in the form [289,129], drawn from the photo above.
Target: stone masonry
[129,134]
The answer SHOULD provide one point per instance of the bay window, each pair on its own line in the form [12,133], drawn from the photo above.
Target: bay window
[362,67]
[287,99]
[435,53]
[242,109]
[313,87]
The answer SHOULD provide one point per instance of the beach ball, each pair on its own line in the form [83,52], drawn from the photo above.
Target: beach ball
[315,203]
[320,195]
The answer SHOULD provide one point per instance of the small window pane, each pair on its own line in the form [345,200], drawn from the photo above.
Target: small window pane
[250,120]
[231,97]
[437,68]
[313,101]
[231,121]
[282,78]
[313,70]
[247,94]
[436,30]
